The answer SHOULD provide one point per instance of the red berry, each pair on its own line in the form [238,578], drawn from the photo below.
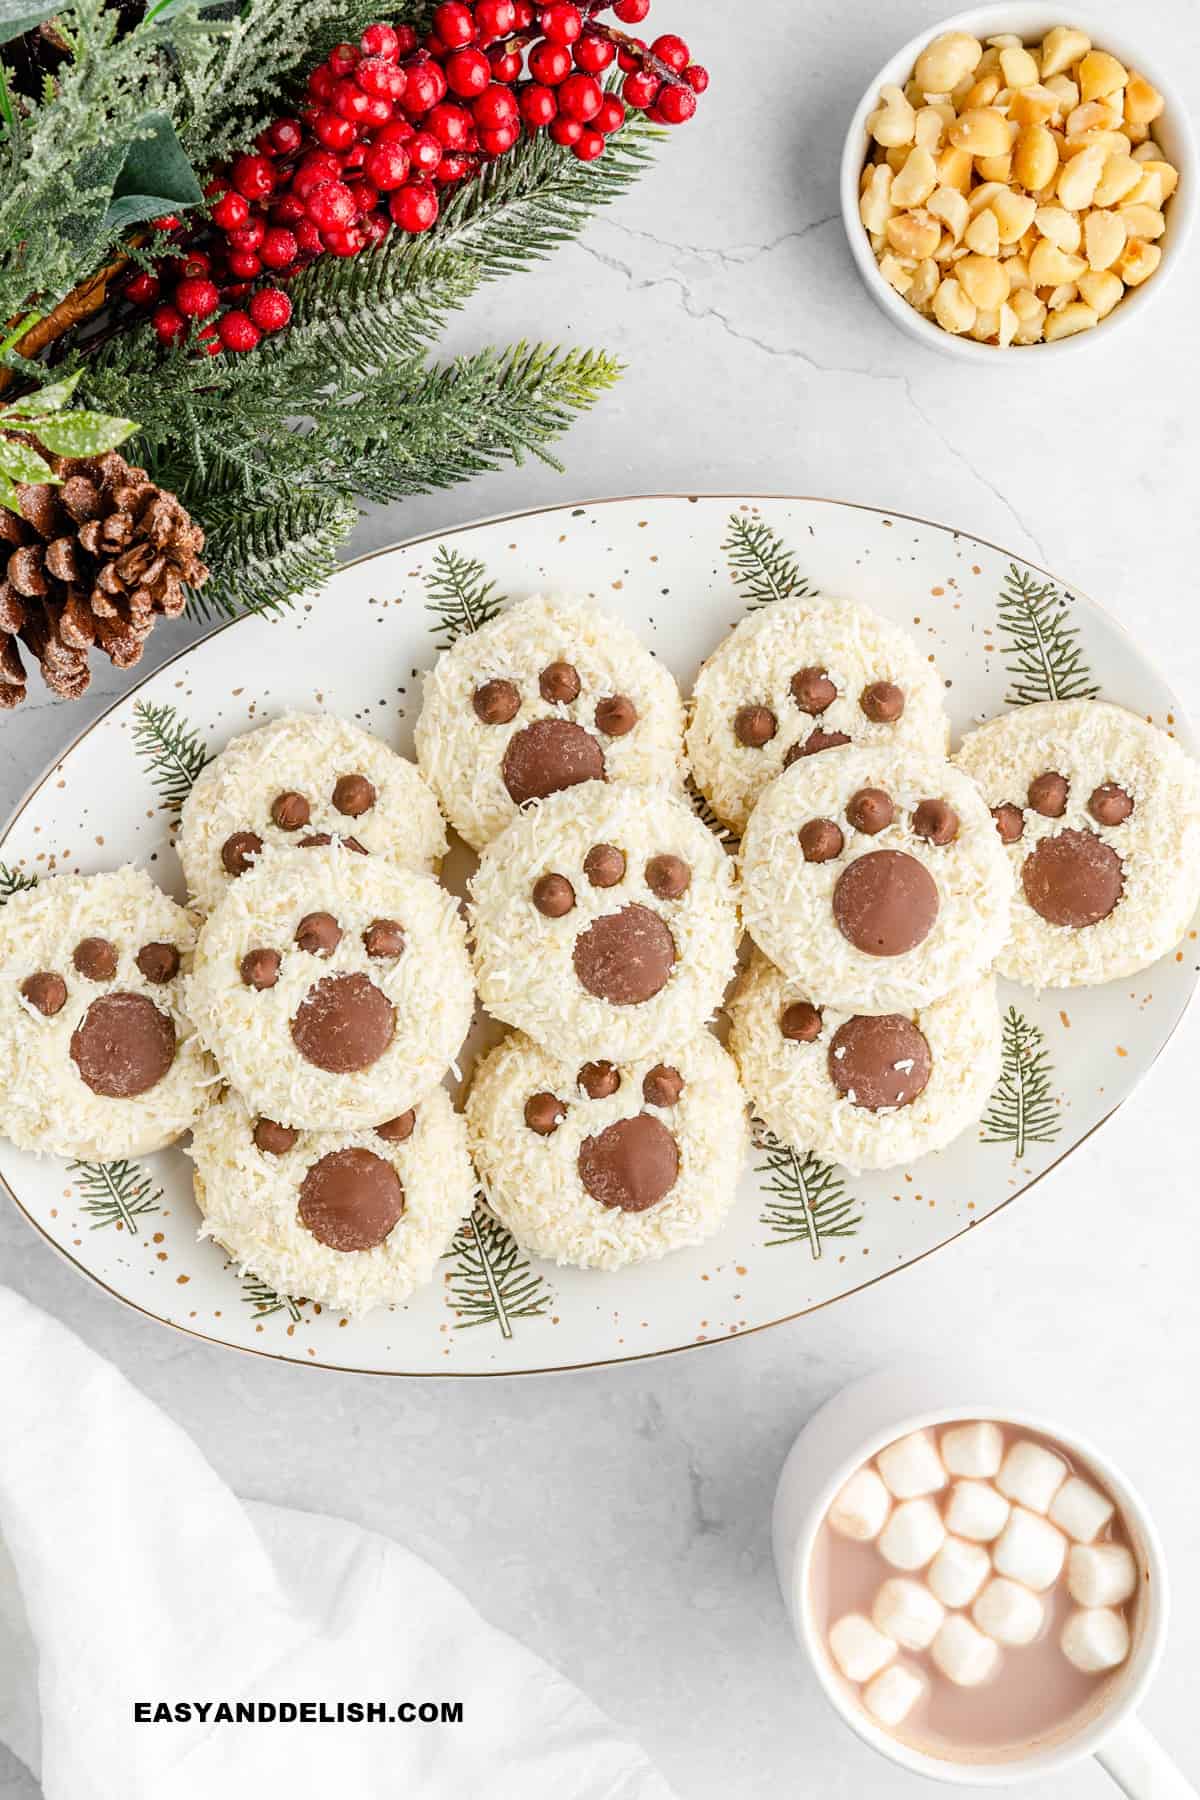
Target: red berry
[504,64]
[287,210]
[143,288]
[379,112]
[237,331]
[366,197]
[331,206]
[248,236]
[611,116]
[350,101]
[549,63]
[424,86]
[375,228]
[354,157]
[343,58]
[279,248]
[286,135]
[696,76]
[406,36]
[380,40]
[168,222]
[450,125]
[196,297]
[495,19]
[333,131]
[414,208]
[627,55]
[424,153]
[589,147]
[468,72]
[538,105]
[387,166]
[376,75]
[579,97]
[641,89]
[253,176]
[317,166]
[631,12]
[672,50]
[566,132]
[561,22]
[593,54]
[270,309]
[495,108]
[344,243]
[308,238]
[525,11]
[320,83]
[231,211]
[676,104]
[245,264]
[169,324]
[501,140]
[399,131]
[454,24]
[453,167]
[208,341]
[196,262]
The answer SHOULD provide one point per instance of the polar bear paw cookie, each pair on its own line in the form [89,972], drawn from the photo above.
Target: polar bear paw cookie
[605,915]
[606,1163]
[546,696]
[801,676]
[355,1218]
[875,880]
[1099,815]
[333,989]
[302,780]
[98,1058]
[867,1090]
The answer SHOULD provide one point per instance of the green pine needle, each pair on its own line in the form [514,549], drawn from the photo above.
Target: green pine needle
[808,1201]
[1022,1109]
[1042,652]
[14,881]
[264,1300]
[117,1193]
[760,563]
[461,597]
[170,748]
[491,1282]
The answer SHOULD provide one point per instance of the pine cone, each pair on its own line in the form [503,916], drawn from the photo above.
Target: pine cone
[92,562]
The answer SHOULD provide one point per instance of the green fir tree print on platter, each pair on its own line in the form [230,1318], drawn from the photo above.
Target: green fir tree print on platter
[460,596]
[762,567]
[807,1200]
[264,1302]
[1022,1110]
[14,881]
[171,749]
[491,1282]
[1039,642]
[116,1193]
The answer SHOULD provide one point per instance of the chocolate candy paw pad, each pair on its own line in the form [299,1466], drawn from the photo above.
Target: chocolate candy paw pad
[611,1161]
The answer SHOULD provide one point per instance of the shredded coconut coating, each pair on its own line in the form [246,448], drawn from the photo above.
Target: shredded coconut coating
[524,962]
[754,666]
[787,902]
[305,753]
[791,1090]
[249,1031]
[1093,743]
[532,1182]
[461,757]
[44,1103]
[249,1200]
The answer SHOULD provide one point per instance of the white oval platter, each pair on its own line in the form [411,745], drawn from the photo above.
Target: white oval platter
[802,1233]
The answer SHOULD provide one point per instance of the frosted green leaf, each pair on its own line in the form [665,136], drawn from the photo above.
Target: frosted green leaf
[48,399]
[81,434]
[20,463]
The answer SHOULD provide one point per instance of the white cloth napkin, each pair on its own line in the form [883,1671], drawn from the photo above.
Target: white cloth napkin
[129,1572]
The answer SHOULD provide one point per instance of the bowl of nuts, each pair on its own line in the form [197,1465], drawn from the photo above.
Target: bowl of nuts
[1011,181]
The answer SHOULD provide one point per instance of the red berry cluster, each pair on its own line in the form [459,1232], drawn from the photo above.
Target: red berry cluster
[392,124]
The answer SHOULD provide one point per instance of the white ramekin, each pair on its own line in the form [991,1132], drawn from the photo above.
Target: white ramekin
[1171,129]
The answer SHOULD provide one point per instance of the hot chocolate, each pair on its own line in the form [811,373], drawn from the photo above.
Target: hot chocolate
[976,1590]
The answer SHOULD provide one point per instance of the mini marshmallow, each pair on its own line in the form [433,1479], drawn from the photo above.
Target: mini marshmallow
[858,1649]
[1080,1510]
[908,1612]
[912,1535]
[976,1511]
[1100,1574]
[1095,1639]
[1008,1612]
[861,1508]
[1031,1476]
[1030,1549]
[963,1654]
[974,1450]
[912,1467]
[958,1571]
[891,1696]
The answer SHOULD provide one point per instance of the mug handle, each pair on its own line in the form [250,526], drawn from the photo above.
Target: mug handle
[1140,1767]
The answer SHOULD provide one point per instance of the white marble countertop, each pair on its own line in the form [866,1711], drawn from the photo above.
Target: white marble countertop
[617,1521]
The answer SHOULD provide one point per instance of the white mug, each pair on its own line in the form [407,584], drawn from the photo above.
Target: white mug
[852,1428]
